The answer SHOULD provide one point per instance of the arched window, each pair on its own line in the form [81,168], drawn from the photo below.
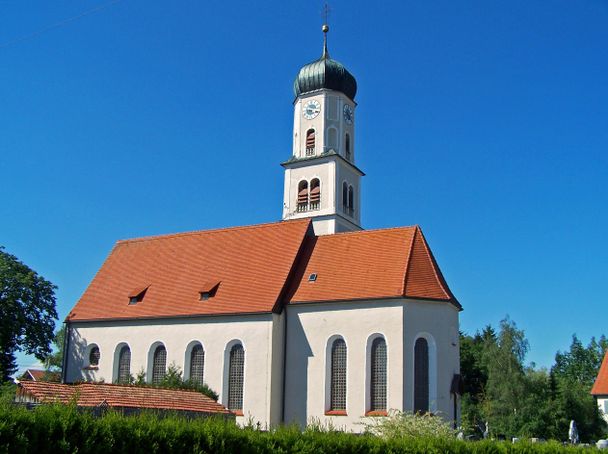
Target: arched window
[235,377]
[302,196]
[310,142]
[345,197]
[124,365]
[421,376]
[197,363]
[338,376]
[347,146]
[378,375]
[315,194]
[351,200]
[332,138]
[94,356]
[159,364]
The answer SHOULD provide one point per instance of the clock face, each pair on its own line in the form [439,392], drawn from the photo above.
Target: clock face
[311,109]
[348,114]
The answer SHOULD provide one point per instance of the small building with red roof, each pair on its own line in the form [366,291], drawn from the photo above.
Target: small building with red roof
[600,388]
[309,318]
[124,398]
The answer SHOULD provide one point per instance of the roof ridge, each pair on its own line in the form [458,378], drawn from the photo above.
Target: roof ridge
[203,232]
[408,261]
[438,274]
[368,231]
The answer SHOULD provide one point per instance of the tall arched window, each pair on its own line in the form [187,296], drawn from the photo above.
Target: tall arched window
[378,375]
[338,376]
[124,365]
[351,200]
[421,376]
[302,196]
[197,363]
[310,142]
[315,194]
[347,146]
[94,356]
[345,197]
[236,371]
[159,364]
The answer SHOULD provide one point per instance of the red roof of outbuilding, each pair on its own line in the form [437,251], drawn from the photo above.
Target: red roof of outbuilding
[600,387]
[94,394]
[257,269]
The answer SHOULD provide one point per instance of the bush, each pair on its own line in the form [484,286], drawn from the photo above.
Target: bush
[408,425]
[63,429]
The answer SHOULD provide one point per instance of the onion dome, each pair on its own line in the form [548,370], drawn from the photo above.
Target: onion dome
[325,73]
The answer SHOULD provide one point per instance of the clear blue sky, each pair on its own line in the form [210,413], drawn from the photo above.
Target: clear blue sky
[484,122]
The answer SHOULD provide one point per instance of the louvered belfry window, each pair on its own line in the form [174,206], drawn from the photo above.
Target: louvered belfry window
[310,142]
[351,200]
[315,194]
[94,356]
[303,196]
[347,146]
[338,375]
[124,365]
[197,363]
[159,364]
[378,375]
[345,197]
[235,377]
[421,376]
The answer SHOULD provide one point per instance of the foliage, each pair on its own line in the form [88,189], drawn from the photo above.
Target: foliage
[54,362]
[64,429]
[523,401]
[173,380]
[407,425]
[27,313]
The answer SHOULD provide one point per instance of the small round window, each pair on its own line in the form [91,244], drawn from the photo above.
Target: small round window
[94,356]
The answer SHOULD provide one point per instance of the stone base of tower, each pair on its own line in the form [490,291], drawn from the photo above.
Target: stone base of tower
[327,225]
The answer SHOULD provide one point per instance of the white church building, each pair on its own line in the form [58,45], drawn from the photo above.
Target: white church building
[308,318]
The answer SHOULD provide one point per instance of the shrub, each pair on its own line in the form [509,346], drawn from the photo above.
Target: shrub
[399,424]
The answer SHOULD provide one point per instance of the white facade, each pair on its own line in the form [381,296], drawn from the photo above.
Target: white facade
[602,404]
[260,336]
[328,160]
[296,351]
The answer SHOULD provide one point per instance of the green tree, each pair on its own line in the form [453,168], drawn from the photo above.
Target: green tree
[27,313]
[54,362]
[506,385]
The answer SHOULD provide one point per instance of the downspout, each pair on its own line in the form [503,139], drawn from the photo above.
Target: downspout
[66,347]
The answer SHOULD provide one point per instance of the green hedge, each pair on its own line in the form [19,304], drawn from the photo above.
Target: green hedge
[55,429]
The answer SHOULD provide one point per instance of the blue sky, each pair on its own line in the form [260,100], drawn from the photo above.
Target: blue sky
[486,123]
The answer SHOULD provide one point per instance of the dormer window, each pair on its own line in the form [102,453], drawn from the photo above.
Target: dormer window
[208,290]
[137,295]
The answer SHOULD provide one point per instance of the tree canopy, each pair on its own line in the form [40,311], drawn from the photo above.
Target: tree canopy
[519,400]
[27,313]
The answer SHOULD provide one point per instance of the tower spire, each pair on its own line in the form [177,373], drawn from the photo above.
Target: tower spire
[325,29]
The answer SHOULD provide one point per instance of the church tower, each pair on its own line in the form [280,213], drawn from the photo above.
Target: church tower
[322,181]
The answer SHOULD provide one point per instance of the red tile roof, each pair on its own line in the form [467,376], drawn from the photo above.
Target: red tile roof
[368,265]
[258,268]
[252,263]
[600,387]
[40,375]
[94,394]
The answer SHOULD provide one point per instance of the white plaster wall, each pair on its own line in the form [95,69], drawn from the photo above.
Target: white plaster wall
[602,404]
[255,332]
[440,321]
[345,173]
[309,327]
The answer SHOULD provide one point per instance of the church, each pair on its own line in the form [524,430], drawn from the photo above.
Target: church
[311,318]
